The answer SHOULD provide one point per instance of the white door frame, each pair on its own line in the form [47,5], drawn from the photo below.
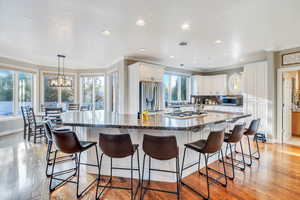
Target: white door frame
[280,72]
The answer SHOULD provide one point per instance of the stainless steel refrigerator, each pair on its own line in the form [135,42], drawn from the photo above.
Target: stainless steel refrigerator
[151,96]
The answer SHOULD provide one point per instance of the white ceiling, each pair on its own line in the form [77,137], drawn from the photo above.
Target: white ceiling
[36,30]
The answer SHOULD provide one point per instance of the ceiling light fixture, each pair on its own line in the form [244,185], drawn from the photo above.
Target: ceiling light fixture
[172,56]
[140,22]
[106,32]
[218,41]
[185,26]
[142,49]
[60,80]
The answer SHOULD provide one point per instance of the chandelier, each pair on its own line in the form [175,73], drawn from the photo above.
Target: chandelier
[60,80]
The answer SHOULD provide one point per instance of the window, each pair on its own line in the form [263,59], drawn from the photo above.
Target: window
[176,88]
[87,91]
[54,97]
[16,90]
[115,91]
[25,90]
[50,94]
[92,92]
[6,92]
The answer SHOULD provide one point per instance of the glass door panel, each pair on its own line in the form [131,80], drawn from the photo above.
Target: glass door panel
[87,91]
[25,90]
[99,92]
[50,93]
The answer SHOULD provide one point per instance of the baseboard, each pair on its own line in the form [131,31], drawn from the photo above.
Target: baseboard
[10,132]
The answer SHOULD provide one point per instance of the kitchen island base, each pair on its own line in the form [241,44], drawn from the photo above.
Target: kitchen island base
[136,135]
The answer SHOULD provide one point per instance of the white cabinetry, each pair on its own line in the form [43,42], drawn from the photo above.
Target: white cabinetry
[256,93]
[210,85]
[233,109]
[148,72]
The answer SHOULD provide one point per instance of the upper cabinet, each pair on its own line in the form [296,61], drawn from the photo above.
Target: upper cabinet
[209,85]
[147,72]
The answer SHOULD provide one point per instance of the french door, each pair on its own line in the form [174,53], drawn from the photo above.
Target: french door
[92,92]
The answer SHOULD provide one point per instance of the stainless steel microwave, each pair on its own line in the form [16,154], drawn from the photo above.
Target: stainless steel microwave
[232,100]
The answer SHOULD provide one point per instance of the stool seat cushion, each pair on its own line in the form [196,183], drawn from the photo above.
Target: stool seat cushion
[86,144]
[197,146]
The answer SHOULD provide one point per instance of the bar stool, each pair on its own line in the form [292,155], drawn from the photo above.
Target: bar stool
[68,143]
[251,131]
[49,160]
[233,138]
[160,148]
[118,146]
[212,145]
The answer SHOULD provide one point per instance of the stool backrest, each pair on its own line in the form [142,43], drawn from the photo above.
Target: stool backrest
[54,115]
[161,148]
[73,106]
[214,141]
[116,146]
[48,130]
[66,141]
[253,127]
[237,133]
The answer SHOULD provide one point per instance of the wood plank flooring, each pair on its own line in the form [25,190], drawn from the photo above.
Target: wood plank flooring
[275,176]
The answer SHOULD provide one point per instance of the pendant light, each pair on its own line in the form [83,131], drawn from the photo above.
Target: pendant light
[60,80]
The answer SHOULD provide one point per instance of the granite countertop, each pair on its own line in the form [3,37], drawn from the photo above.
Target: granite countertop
[191,105]
[101,119]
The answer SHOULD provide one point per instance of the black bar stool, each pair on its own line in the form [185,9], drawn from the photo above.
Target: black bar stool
[49,158]
[208,148]
[118,146]
[251,131]
[68,143]
[160,148]
[233,138]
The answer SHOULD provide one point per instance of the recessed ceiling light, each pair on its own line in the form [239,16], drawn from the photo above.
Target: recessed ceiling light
[172,56]
[185,26]
[106,32]
[142,49]
[140,22]
[218,41]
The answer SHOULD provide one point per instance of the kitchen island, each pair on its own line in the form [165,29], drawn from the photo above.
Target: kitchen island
[186,130]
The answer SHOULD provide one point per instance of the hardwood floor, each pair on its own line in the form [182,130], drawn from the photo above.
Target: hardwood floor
[275,176]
